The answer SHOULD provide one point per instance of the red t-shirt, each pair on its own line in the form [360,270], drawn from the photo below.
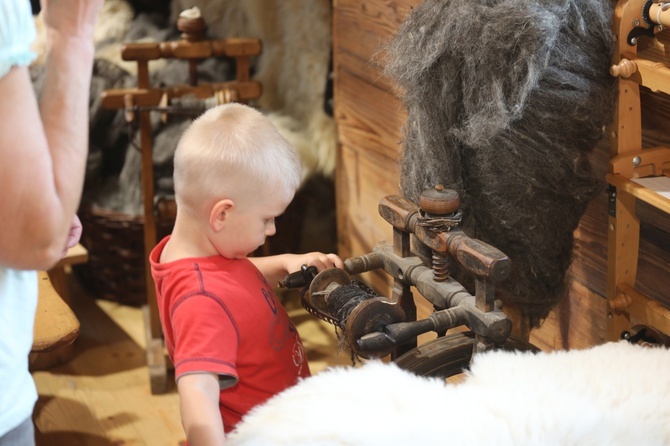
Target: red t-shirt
[221,316]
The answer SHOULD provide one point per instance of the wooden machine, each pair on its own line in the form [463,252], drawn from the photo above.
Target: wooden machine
[427,244]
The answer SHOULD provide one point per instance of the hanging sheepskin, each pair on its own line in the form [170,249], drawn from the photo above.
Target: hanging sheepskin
[505,100]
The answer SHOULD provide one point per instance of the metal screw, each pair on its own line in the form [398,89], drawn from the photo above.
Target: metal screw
[636,22]
[633,41]
[636,161]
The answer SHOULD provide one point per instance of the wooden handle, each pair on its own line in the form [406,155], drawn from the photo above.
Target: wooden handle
[399,211]
[478,257]
[625,69]
[659,16]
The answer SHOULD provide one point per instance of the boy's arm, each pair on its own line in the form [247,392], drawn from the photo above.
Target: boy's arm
[275,268]
[199,405]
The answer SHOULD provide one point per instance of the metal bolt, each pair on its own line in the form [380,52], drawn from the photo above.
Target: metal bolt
[636,161]
[636,22]
[633,41]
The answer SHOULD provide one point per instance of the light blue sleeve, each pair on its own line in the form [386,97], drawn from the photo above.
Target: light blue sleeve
[17,33]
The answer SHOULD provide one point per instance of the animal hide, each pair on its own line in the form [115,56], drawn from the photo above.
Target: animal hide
[613,394]
[505,101]
[293,66]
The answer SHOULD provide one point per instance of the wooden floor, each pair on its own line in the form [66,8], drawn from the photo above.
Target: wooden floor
[101,396]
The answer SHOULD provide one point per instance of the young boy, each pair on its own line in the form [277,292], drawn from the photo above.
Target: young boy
[231,342]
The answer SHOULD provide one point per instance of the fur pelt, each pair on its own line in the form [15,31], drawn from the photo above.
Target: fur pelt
[506,100]
[613,394]
[293,66]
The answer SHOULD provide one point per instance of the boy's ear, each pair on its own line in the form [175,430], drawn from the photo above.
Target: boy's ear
[219,213]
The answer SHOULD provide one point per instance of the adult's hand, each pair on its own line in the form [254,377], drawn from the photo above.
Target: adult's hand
[71,17]
[74,235]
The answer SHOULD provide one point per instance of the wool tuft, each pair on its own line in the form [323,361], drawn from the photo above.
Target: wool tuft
[505,101]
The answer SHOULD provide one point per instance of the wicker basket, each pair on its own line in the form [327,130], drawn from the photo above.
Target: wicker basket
[116,270]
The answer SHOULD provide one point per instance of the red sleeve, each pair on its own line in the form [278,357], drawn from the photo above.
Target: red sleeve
[205,337]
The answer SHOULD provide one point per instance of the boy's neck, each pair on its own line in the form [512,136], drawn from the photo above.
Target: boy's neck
[188,240]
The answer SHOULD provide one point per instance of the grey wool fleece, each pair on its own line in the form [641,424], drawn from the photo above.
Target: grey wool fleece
[506,99]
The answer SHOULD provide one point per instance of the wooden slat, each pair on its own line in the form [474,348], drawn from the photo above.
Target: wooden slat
[639,192]
[183,49]
[586,316]
[368,118]
[645,309]
[113,99]
[588,266]
[365,178]
[361,27]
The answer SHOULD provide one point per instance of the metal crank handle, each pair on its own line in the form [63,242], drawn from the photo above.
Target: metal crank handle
[300,278]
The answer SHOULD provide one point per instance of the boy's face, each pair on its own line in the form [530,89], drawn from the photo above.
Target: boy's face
[249,223]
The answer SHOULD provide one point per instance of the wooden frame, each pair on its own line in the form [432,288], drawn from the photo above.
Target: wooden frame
[629,160]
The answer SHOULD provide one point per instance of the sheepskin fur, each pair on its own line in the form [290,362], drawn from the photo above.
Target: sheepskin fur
[506,99]
[613,394]
[293,66]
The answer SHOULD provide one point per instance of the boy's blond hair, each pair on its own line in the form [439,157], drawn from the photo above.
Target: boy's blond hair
[229,150]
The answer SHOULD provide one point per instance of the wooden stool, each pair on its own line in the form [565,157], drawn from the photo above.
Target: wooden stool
[56,325]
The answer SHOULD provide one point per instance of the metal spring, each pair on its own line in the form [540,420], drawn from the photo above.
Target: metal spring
[441,269]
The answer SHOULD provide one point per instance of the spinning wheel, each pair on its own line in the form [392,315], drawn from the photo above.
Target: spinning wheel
[375,326]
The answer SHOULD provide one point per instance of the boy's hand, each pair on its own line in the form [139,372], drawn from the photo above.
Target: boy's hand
[275,268]
[319,260]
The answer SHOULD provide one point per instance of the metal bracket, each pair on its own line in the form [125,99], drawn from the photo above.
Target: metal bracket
[611,200]
[637,32]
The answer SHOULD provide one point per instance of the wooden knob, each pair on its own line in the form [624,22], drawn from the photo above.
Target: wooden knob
[192,25]
[625,69]
[439,201]
[619,303]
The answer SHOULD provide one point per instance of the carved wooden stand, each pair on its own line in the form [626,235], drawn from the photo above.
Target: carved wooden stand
[139,102]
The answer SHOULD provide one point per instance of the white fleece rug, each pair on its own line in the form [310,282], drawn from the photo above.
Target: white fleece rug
[613,394]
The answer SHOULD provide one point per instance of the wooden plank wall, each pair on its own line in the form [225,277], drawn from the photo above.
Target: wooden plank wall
[369,119]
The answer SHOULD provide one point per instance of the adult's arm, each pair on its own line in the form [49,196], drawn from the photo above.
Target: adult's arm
[43,147]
